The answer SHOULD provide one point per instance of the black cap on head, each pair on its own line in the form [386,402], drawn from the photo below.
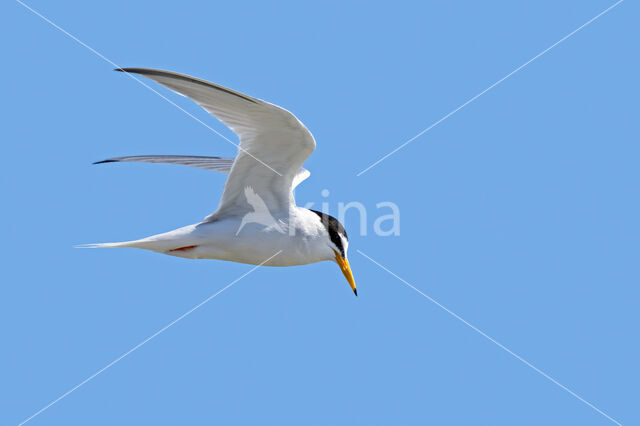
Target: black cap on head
[335,229]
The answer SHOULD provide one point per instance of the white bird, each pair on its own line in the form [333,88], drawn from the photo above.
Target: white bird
[257,216]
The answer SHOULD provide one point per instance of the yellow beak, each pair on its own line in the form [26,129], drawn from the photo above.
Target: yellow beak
[346,270]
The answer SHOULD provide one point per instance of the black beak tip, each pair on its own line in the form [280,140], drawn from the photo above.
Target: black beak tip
[355,292]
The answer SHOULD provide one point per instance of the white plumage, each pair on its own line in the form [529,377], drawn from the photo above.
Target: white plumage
[257,216]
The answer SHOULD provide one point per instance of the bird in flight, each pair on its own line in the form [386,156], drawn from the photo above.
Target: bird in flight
[257,216]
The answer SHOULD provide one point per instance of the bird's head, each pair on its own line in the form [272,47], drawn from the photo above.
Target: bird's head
[338,242]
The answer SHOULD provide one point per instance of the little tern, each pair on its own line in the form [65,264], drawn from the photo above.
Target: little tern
[257,215]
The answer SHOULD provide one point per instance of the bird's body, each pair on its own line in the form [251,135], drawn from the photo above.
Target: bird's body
[300,241]
[257,221]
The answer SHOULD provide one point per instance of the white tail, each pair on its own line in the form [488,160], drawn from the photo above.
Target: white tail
[107,245]
[159,243]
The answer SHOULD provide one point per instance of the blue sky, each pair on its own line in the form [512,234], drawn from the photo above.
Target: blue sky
[519,213]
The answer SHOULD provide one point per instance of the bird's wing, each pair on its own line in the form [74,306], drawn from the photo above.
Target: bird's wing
[273,142]
[207,163]
[218,164]
[255,201]
[301,175]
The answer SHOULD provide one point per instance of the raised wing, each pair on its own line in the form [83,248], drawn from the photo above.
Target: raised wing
[273,142]
[218,164]
[207,163]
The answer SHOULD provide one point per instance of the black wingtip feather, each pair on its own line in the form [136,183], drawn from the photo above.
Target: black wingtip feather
[106,161]
[151,72]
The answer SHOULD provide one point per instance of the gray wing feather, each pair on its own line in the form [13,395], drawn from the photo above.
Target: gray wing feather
[218,164]
[207,163]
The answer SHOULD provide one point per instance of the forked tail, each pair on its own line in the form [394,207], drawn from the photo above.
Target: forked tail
[135,244]
[163,243]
